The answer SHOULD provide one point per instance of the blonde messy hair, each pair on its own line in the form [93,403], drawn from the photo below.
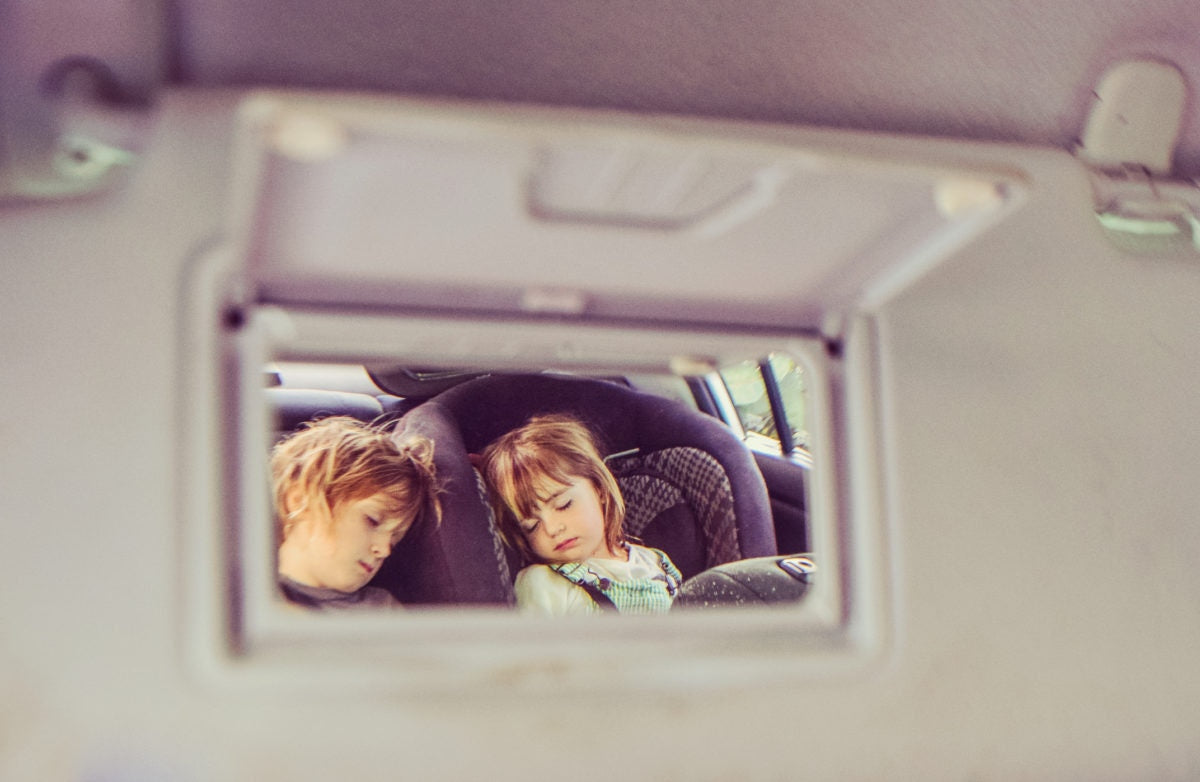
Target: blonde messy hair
[554,448]
[341,459]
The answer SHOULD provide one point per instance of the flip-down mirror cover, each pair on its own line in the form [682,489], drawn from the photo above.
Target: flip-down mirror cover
[495,209]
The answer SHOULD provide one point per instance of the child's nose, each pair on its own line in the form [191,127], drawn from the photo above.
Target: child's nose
[382,547]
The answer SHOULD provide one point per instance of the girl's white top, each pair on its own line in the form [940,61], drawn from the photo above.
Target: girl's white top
[540,590]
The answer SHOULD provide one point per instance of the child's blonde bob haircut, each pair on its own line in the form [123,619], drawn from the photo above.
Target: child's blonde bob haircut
[549,448]
[341,459]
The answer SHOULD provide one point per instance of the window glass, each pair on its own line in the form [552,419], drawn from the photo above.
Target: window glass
[749,393]
[790,378]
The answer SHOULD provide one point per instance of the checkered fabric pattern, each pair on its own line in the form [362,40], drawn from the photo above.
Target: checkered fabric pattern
[655,481]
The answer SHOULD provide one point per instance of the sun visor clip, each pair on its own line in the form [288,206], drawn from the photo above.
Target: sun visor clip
[1128,144]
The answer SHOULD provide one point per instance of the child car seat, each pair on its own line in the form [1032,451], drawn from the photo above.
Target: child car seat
[691,487]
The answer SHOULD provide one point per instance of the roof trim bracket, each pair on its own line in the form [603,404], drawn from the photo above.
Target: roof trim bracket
[75,83]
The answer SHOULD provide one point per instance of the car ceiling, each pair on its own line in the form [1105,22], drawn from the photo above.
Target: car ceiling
[1018,71]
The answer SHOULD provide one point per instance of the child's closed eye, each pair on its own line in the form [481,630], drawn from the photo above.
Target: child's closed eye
[372,521]
[564,506]
[530,526]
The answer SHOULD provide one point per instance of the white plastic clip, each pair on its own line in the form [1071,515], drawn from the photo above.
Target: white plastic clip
[1128,143]
[1135,118]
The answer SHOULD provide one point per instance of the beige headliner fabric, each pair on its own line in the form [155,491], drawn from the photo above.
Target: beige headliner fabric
[1012,71]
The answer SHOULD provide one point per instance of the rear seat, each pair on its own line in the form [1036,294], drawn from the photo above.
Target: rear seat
[293,406]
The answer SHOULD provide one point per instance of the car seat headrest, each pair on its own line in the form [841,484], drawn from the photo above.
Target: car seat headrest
[620,417]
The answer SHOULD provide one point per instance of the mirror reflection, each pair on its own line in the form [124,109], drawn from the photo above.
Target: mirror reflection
[543,492]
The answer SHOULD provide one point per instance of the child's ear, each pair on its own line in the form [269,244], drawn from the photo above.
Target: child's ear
[293,505]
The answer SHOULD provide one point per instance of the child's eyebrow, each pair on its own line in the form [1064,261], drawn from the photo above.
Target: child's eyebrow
[386,510]
[552,497]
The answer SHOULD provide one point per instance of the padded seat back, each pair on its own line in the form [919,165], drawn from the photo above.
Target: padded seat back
[680,500]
